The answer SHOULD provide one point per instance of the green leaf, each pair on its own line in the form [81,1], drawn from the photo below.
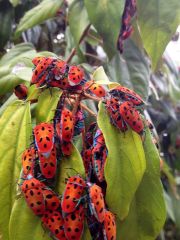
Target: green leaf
[33,93]
[147,212]
[78,19]
[69,166]
[138,68]
[9,101]
[8,82]
[167,171]
[131,70]
[125,164]
[169,206]
[24,73]
[15,2]
[86,233]
[117,71]
[158,20]
[15,128]
[24,223]
[45,10]
[78,57]
[16,52]
[176,208]
[100,76]
[105,15]
[47,103]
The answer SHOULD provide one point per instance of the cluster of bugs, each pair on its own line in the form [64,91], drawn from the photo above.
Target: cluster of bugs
[130,11]
[83,199]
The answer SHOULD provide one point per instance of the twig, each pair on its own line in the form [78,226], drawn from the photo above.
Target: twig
[93,56]
[76,105]
[92,97]
[95,38]
[83,138]
[73,52]
[88,109]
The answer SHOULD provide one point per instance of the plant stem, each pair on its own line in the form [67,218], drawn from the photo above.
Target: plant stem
[93,56]
[95,38]
[92,97]
[88,110]
[73,52]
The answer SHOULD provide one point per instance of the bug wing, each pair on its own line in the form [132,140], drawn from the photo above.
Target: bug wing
[44,137]
[48,165]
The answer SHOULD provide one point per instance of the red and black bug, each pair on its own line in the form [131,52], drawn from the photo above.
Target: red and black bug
[51,200]
[44,137]
[54,221]
[99,155]
[79,122]
[66,148]
[87,160]
[109,224]
[94,88]
[32,191]
[48,164]
[75,75]
[73,193]
[74,223]
[28,161]
[42,72]
[126,94]
[131,116]
[38,59]
[96,202]
[66,125]
[126,26]
[89,135]
[112,106]
[21,91]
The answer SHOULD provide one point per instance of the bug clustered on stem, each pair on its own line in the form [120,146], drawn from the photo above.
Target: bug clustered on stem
[83,199]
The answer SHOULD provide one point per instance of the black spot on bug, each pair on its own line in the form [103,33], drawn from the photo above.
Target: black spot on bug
[73,216]
[31,193]
[101,210]
[49,196]
[51,164]
[45,165]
